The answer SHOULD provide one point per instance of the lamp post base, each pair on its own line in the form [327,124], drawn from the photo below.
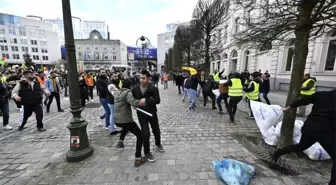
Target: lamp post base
[76,156]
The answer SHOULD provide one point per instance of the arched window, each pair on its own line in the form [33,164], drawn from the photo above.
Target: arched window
[331,56]
[246,59]
[290,54]
[237,26]
[234,60]
[218,62]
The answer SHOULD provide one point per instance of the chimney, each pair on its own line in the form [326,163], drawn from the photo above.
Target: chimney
[108,33]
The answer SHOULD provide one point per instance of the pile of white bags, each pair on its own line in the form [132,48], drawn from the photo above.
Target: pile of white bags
[268,119]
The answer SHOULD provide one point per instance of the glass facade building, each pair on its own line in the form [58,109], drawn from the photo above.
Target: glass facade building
[81,29]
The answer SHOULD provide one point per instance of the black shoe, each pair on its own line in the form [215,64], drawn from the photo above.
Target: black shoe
[139,162]
[120,144]
[66,95]
[21,128]
[61,110]
[275,156]
[150,157]
[41,129]
[160,148]
[45,103]
[214,108]
[114,133]
[48,111]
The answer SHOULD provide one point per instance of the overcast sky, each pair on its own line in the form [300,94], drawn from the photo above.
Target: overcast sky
[128,19]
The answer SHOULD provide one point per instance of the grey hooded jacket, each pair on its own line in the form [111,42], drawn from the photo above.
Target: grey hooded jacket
[123,100]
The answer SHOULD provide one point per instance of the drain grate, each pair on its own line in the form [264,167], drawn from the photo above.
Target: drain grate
[289,165]
[92,105]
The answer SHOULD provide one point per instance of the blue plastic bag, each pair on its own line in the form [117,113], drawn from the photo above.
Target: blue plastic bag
[234,172]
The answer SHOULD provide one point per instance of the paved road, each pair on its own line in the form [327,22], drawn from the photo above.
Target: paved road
[192,141]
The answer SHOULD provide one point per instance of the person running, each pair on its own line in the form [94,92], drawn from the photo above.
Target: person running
[209,85]
[152,98]
[124,119]
[252,91]
[223,95]
[29,93]
[4,106]
[90,82]
[54,88]
[102,83]
[186,90]
[319,127]
[42,79]
[235,93]
[193,91]
[165,81]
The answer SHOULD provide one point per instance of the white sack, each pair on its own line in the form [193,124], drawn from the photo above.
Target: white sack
[270,137]
[265,115]
[315,152]
[216,92]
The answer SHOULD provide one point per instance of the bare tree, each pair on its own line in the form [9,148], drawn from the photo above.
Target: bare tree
[208,17]
[272,23]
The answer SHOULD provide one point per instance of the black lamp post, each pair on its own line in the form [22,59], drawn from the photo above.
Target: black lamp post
[79,143]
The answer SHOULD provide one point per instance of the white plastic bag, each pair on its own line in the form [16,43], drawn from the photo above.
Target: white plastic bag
[216,92]
[270,137]
[265,115]
[296,133]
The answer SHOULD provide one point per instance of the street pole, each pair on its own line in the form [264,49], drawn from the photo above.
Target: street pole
[80,148]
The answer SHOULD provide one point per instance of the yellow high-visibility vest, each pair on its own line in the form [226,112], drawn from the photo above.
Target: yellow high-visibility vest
[216,77]
[4,78]
[254,95]
[311,91]
[236,88]
[120,84]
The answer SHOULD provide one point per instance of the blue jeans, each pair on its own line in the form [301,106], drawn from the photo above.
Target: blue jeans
[5,112]
[107,111]
[112,128]
[193,97]
[185,94]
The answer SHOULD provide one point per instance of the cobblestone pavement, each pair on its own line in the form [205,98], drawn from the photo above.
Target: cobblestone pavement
[192,141]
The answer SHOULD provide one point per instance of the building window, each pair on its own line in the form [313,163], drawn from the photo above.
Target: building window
[3,40]
[290,55]
[44,50]
[22,31]
[213,66]
[5,56]
[45,57]
[11,30]
[43,43]
[34,50]
[234,61]
[106,57]
[33,42]
[15,48]
[114,57]
[13,41]
[24,49]
[23,41]
[237,25]
[16,56]
[2,31]
[4,48]
[331,56]
[246,59]
[36,57]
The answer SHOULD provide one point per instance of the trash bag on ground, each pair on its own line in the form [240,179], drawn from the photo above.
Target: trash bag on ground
[270,137]
[315,152]
[267,117]
[234,172]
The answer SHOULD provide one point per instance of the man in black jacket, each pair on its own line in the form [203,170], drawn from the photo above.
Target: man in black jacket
[320,126]
[152,97]
[4,106]
[208,86]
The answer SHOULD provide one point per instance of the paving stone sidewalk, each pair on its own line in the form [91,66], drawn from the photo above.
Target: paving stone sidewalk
[192,141]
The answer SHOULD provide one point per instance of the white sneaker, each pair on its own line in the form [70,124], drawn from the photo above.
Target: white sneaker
[7,127]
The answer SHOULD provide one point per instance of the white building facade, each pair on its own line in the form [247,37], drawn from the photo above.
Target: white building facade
[19,35]
[166,41]
[321,59]
[98,53]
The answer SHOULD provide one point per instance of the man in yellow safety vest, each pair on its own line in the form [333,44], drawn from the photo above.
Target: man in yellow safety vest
[217,75]
[235,94]
[308,88]
[252,90]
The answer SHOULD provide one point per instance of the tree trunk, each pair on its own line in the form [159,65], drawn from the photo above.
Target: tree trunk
[189,57]
[207,54]
[301,51]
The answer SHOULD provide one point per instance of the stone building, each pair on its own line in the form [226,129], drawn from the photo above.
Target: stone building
[98,53]
[321,59]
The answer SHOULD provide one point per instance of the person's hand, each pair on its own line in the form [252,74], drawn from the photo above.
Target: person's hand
[142,102]
[17,98]
[285,108]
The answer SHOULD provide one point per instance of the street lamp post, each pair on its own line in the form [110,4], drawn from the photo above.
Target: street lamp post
[145,43]
[80,148]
